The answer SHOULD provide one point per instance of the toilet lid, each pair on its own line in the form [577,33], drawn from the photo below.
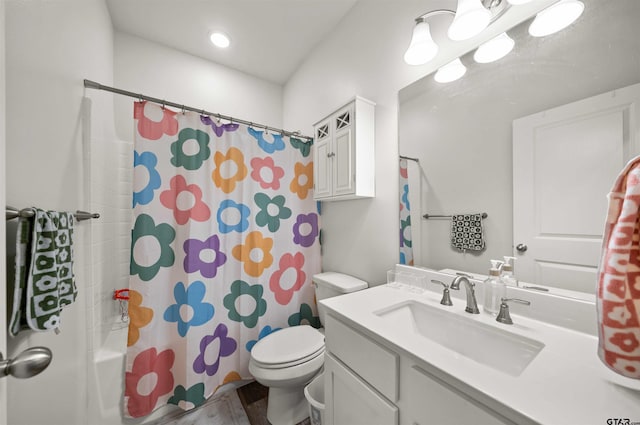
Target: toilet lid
[289,346]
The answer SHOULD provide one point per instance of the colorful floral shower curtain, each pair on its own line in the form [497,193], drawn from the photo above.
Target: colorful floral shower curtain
[406,249]
[224,245]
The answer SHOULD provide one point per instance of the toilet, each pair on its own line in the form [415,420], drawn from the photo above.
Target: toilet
[287,360]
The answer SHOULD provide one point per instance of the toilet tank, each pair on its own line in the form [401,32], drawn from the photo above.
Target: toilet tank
[331,284]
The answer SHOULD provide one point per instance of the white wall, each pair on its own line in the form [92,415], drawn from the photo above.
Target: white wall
[362,56]
[164,73]
[51,46]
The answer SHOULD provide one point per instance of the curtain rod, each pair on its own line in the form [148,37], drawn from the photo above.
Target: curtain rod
[93,85]
[409,158]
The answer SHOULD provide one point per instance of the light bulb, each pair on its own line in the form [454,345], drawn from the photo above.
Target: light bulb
[450,72]
[556,17]
[494,49]
[422,47]
[470,19]
[220,40]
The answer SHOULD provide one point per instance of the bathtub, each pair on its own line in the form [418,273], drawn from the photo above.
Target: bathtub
[106,380]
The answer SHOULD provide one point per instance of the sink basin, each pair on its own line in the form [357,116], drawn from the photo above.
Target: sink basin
[499,349]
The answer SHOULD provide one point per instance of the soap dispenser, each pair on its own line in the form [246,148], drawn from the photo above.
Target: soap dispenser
[507,272]
[494,289]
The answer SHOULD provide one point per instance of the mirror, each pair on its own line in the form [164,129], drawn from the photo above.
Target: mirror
[461,132]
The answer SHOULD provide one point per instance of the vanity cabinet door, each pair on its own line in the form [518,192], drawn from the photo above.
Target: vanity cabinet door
[429,400]
[372,362]
[351,401]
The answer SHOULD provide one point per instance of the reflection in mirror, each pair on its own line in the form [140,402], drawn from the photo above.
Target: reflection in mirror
[463,135]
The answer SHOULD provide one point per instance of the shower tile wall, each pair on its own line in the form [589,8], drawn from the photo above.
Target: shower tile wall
[110,195]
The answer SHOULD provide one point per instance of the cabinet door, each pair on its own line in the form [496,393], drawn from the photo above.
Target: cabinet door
[344,147]
[322,162]
[344,162]
[433,401]
[350,401]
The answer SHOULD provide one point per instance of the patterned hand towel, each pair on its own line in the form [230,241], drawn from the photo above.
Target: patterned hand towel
[618,290]
[17,320]
[467,233]
[50,282]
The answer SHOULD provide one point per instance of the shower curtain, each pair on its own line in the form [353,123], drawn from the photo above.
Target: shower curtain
[406,248]
[224,245]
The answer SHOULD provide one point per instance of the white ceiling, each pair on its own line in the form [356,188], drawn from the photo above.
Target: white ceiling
[269,38]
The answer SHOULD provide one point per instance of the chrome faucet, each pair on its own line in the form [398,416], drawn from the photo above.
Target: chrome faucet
[472,304]
[503,315]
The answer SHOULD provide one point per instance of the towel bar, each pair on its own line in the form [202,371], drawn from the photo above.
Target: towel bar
[428,216]
[12,213]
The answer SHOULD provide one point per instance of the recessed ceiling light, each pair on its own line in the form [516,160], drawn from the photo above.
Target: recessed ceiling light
[219,40]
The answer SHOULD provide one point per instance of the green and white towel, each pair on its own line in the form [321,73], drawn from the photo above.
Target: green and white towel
[18,320]
[44,273]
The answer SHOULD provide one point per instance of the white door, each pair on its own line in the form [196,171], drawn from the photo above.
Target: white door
[565,161]
[3,286]
[3,289]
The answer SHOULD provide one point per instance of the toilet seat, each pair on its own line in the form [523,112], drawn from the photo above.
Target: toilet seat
[288,347]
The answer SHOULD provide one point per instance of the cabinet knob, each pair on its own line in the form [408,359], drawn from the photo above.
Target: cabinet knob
[331,154]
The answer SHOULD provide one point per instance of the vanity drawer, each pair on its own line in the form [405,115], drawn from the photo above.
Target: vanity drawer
[371,361]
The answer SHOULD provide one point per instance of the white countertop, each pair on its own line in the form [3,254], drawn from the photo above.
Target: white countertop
[565,384]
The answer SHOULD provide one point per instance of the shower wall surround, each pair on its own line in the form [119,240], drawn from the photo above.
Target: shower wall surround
[44,166]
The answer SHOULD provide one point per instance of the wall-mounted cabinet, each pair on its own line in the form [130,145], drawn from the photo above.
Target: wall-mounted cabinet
[343,153]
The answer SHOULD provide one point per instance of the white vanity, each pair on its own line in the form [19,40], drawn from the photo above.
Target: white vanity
[397,356]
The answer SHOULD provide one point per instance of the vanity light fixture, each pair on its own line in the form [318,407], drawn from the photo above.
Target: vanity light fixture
[220,39]
[556,17]
[450,72]
[422,47]
[470,18]
[494,49]
[518,2]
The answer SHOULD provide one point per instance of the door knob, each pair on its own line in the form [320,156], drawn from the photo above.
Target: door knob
[521,247]
[29,363]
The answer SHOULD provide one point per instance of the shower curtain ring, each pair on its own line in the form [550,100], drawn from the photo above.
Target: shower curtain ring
[163,103]
[182,109]
[140,99]
[218,119]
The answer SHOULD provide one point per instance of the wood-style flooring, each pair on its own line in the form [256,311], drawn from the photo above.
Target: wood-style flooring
[254,398]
